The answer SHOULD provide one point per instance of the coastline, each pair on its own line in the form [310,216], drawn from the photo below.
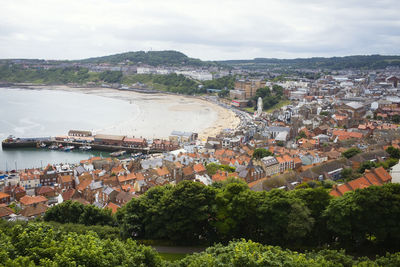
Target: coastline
[225,118]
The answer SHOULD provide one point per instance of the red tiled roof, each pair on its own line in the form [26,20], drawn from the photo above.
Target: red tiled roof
[199,168]
[382,174]
[28,200]
[128,177]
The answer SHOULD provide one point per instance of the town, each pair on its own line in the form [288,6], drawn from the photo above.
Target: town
[338,131]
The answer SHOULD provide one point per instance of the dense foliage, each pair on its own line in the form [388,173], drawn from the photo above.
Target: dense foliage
[153,58]
[39,244]
[36,244]
[75,212]
[351,152]
[333,63]
[226,82]
[16,73]
[212,168]
[191,212]
[260,153]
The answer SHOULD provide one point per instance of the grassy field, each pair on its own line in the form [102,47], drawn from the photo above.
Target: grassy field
[278,106]
[172,256]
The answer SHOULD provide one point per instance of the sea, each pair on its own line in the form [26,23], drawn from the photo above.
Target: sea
[43,113]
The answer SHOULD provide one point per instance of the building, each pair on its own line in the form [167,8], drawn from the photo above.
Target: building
[249,87]
[107,139]
[378,176]
[271,165]
[79,133]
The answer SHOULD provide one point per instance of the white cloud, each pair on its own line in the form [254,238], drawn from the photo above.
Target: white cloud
[61,29]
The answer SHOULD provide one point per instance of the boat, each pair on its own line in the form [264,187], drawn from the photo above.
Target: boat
[118,153]
[53,147]
[85,148]
[42,145]
[68,148]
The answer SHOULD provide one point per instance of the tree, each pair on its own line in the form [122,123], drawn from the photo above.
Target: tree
[366,216]
[301,134]
[393,152]
[366,165]
[349,174]
[75,212]
[260,153]
[351,152]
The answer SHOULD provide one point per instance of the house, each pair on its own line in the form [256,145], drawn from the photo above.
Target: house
[135,142]
[33,211]
[15,191]
[199,169]
[285,163]
[66,182]
[127,178]
[270,165]
[123,197]
[27,201]
[112,140]
[252,173]
[4,198]
[378,176]
[163,173]
[46,191]
[48,176]
[188,173]
[29,179]
[5,212]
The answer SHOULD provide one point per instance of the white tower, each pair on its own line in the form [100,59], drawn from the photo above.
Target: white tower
[259,106]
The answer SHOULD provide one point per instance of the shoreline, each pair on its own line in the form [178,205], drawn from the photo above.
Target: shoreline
[226,119]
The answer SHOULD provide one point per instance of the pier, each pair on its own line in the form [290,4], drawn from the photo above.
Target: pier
[35,142]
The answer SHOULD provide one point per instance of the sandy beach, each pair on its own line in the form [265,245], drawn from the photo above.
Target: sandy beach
[219,117]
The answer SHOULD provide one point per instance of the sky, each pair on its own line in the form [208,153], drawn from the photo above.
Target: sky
[206,29]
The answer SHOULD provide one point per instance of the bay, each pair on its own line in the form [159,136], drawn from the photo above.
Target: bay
[42,113]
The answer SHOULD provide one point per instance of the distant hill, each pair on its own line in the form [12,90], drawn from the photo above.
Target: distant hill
[152,58]
[332,63]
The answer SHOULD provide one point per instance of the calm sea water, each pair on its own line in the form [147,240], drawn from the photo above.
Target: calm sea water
[33,113]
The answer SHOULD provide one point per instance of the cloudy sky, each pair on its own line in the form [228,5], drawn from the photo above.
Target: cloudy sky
[206,29]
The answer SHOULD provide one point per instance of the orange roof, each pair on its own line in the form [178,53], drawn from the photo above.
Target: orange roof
[297,160]
[128,188]
[128,177]
[382,174]
[162,171]
[178,164]
[359,183]
[188,170]
[219,177]
[3,195]
[372,178]
[29,200]
[113,207]
[280,160]
[287,158]
[139,176]
[346,135]
[199,168]
[66,179]
[83,184]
